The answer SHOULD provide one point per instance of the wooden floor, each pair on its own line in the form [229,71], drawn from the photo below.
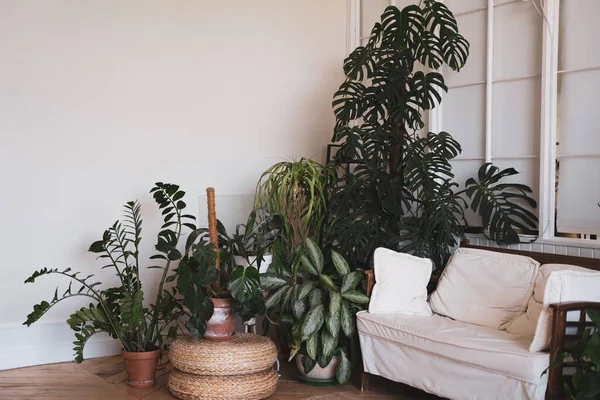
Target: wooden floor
[104,378]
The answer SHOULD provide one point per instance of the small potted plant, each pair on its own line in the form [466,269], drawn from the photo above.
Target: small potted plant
[119,310]
[213,288]
[251,242]
[584,357]
[314,303]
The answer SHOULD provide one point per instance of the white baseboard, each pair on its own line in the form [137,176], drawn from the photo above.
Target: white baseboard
[47,343]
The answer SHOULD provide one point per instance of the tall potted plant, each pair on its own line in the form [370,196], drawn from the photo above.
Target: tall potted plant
[401,191]
[315,303]
[120,310]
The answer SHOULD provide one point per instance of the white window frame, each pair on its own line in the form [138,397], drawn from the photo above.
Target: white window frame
[549,93]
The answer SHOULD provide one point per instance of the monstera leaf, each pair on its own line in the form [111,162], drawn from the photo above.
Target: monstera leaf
[402,28]
[426,89]
[359,64]
[348,101]
[503,206]
[444,145]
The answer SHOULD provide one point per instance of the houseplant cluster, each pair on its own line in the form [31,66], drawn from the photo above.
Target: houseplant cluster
[317,225]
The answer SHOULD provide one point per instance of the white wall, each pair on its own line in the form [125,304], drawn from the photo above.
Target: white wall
[100,99]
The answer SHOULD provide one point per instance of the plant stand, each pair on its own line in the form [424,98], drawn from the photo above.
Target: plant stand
[242,368]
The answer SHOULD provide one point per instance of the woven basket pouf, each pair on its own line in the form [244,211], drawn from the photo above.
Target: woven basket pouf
[254,386]
[245,354]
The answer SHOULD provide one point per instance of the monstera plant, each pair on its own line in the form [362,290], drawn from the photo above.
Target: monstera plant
[400,192]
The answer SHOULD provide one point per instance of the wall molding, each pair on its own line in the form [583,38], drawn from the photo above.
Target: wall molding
[47,343]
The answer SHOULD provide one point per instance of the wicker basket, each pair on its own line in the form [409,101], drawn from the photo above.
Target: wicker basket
[245,354]
[231,387]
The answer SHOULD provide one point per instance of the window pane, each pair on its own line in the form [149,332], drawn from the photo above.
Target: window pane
[464,170]
[528,175]
[517,41]
[516,118]
[579,119]
[579,195]
[473,28]
[464,118]
[579,34]
[461,6]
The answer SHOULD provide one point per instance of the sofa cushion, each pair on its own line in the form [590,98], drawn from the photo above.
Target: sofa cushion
[484,287]
[555,283]
[482,347]
[400,283]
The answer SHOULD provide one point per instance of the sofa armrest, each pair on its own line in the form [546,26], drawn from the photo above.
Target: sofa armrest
[575,305]
[559,337]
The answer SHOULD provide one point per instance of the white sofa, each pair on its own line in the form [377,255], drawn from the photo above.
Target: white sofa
[469,360]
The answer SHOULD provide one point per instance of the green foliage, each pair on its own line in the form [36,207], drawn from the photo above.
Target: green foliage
[584,356]
[256,236]
[498,203]
[119,311]
[400,192]
[314,305]
[298,192]
[197,271]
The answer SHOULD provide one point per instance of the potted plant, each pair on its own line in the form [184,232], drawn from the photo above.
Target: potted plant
[213,288]
[120,310]
[315,305]
[584,356]
[298,192]
[251,242]
[401,192]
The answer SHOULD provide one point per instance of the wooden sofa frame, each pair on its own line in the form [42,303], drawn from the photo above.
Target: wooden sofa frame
[555,388]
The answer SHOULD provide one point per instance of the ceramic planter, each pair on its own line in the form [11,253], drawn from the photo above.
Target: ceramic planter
[141,367]
[318,376]
[222,323]
[264,265]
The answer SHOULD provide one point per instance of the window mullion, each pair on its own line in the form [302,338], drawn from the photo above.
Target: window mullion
[548,120]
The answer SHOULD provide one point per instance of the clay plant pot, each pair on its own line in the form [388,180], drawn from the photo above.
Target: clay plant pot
[141,367]
[318,376]
[222,323]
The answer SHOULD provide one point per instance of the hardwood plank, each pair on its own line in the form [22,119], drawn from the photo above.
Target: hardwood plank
[105,378]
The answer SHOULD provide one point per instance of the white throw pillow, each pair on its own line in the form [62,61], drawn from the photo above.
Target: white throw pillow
[556,283]
[485,288]
[400,283]
[526,324]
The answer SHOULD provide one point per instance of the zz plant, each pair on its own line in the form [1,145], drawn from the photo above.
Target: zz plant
[120,310]
[316,308]
[401,191]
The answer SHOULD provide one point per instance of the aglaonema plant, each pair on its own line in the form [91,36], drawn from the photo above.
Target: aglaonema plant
[316,302]
[120,310]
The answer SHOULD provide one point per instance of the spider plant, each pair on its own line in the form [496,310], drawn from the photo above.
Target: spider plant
[298,192]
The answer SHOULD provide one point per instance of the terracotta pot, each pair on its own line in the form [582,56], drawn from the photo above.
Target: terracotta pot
[326,374]
[141,367]
[222,323]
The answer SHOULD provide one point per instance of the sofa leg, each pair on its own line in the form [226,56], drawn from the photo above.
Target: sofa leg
[364,381]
